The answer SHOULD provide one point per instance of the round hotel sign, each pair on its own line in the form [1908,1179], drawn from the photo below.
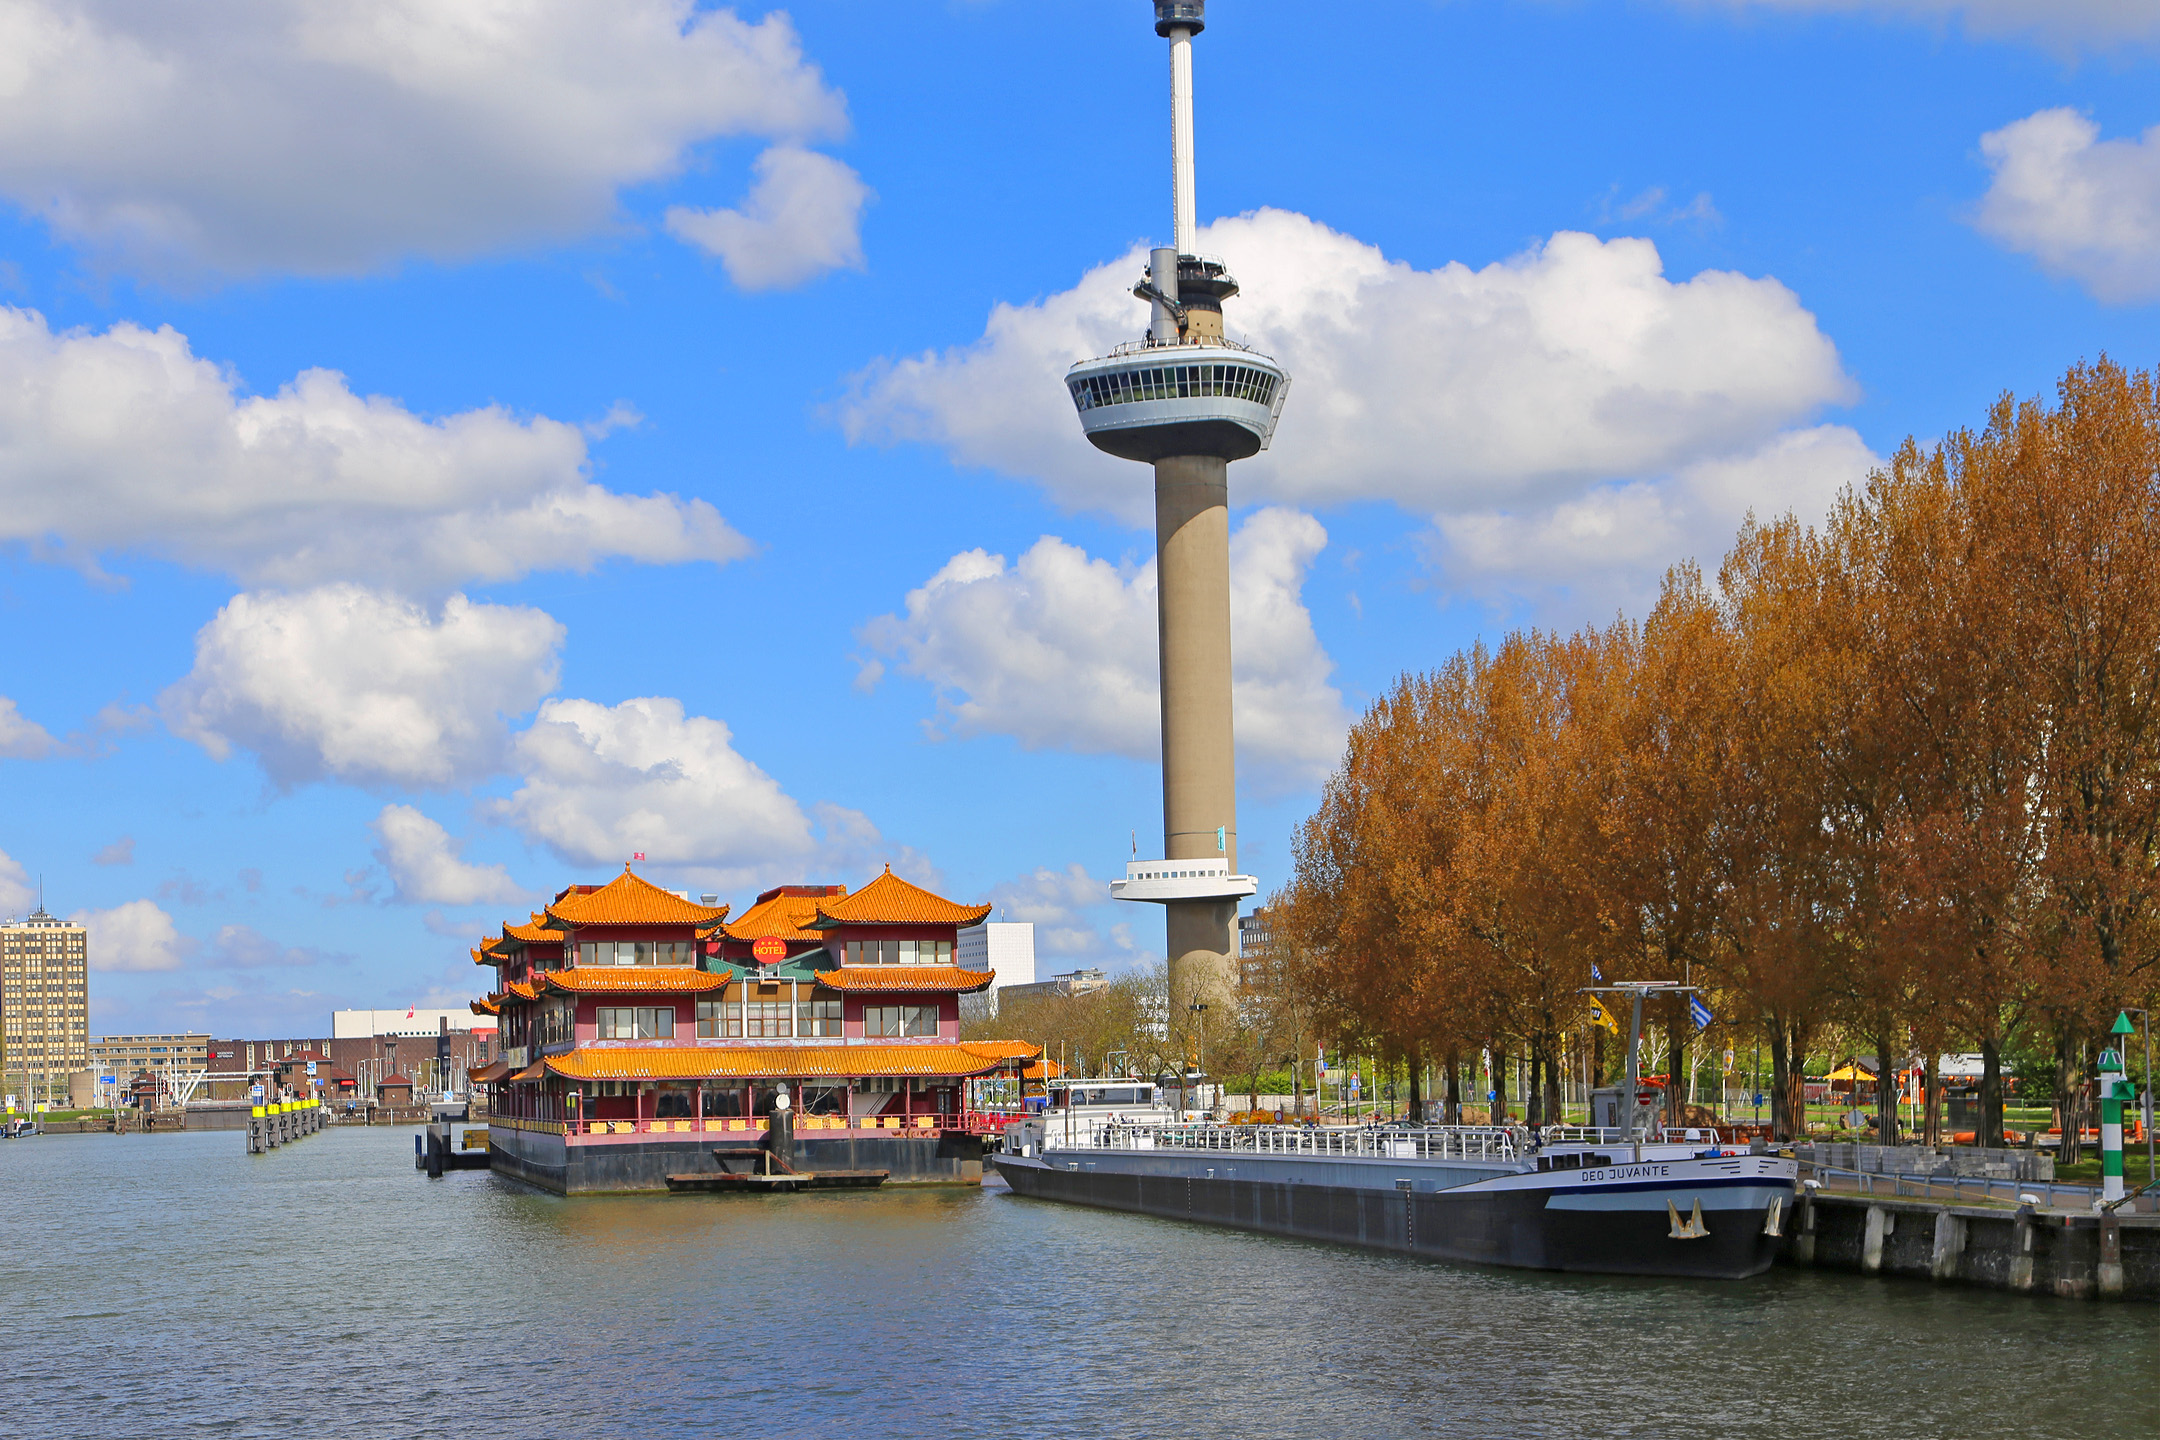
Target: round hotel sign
[769,947]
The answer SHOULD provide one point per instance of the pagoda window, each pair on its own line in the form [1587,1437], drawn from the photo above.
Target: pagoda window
[768,1020]
[637,1022]
[899,1021]
[815,1018]
[709,1019]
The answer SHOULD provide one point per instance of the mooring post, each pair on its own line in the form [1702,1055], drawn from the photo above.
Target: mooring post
[1949,1244]
[1880,1224]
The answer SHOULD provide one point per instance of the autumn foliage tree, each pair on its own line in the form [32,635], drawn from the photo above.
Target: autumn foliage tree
[1895,777]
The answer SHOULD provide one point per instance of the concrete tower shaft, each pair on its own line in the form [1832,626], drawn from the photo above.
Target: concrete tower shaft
[1188,400]
[1192,590]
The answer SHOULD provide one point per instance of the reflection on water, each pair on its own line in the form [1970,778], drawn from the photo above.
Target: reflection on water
[172,1285]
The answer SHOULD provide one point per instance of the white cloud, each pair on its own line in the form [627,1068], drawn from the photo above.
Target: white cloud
[21,739]
[243,947]
[1057,902]
[602,783]
[127,440]
[2060,22]
[17,894]
[1442,390]
[425,868]
[332,139]
[1059,651]
[134,936]
[348,683]
[1605,550]
[2082,206]
[803,218]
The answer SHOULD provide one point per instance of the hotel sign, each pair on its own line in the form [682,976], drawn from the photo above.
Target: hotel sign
[769,947]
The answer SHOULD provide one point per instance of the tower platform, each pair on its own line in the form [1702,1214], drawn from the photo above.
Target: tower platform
[1146,401]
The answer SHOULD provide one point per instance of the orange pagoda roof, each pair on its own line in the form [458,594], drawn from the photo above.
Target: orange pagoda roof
[643,979]
[489,1074]
[534,932]
[890,900]
[630,900]
[523,989]
[487,1005]
[943,979]
[711,1062]
[783,913]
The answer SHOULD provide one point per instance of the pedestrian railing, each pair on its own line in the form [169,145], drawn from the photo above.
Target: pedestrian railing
[1953,1188]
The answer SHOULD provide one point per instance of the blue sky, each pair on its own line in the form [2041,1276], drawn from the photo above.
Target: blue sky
[441,455]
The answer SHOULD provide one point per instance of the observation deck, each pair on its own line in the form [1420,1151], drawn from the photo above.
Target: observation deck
[1164,881]
[1148,402]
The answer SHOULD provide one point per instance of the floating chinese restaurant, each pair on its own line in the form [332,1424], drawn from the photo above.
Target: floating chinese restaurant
[645,1035]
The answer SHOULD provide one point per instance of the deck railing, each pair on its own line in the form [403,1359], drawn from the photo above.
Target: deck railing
[745,1129]
[1427,1142]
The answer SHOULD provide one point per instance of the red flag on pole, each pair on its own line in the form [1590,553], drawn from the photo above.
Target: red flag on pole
[637,855]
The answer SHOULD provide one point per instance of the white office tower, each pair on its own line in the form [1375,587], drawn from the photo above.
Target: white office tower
[1188,400]
[1006,946]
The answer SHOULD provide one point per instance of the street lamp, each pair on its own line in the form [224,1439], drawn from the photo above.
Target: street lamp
[2124,1027]
[1199,1010]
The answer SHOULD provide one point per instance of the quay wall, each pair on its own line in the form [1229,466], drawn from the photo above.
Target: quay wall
[552,1163]
[2075,1255]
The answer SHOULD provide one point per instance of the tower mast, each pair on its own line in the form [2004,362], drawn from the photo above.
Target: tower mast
[1187,400]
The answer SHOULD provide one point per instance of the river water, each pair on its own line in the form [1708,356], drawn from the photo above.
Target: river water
[171,1285]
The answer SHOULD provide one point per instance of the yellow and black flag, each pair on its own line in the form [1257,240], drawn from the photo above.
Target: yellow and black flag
[1599,1015]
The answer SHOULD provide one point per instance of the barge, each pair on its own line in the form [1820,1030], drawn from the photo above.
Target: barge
[1578,1200]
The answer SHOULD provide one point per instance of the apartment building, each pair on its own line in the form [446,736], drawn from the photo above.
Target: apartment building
[44,1006]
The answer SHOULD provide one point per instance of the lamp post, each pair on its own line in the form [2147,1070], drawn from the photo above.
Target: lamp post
[2145,1113]
[1199,1011]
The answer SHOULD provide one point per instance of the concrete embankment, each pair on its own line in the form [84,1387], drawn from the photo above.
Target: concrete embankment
[2032,1250]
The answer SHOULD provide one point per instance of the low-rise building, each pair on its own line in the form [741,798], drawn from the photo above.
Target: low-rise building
[1063,987]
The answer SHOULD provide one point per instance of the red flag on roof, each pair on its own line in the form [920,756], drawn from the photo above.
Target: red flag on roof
[637,855]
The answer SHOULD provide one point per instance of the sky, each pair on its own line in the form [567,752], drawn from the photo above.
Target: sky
[446,451]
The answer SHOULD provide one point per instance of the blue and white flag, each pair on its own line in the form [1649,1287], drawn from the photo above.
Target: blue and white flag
[1700,1011]
[1597,975]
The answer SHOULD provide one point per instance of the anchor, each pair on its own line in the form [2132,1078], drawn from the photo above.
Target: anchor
[1774,1220]
[1690,1229]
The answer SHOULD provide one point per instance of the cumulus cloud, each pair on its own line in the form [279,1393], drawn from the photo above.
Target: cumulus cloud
[1057,902]
[17,894]
[804,217]
[1605,550]
[20,738]
[1059,650]
[2059,22]
[347,683]
[1451,389]
[2083,207]
[120,852]
[333,139]
[601,783]
[129,441]
[243,947]
[135,936]
[425,867]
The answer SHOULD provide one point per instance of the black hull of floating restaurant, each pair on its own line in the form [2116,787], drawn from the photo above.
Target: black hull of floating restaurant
[645,1036]
[551,1162]
[1515,1228]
